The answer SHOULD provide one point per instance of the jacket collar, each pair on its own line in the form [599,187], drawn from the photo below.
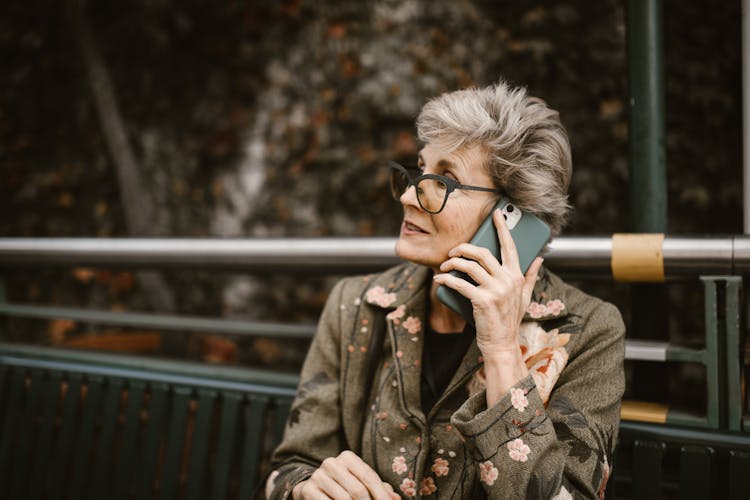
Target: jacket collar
[397,286]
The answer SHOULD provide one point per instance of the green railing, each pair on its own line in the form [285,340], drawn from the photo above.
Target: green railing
[682,259]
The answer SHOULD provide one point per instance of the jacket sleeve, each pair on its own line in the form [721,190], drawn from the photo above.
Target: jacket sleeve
[523,449]
[313,429]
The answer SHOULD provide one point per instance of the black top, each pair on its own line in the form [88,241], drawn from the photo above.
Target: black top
[441,356]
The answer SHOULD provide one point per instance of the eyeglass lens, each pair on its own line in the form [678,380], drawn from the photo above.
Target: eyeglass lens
[430,192]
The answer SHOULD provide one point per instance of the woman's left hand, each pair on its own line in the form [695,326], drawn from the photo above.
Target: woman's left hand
[502,293]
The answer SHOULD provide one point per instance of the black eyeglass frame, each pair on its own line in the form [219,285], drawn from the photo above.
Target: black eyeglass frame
[451,185]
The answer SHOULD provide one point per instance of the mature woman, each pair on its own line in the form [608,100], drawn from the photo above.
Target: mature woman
[525,403]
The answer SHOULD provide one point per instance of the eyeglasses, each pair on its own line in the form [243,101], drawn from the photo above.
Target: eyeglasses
[432,189]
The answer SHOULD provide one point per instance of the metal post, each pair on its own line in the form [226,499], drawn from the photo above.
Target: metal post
[647,158]
[648,197]
[746,113]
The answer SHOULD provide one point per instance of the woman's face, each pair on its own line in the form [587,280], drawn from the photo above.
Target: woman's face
[426,238]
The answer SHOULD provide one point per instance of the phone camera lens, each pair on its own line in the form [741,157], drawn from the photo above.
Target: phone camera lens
[510,208]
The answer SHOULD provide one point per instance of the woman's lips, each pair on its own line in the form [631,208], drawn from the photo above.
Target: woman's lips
[413,228]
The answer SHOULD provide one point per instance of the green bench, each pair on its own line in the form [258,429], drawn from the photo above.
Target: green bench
[79,425]
[90,425]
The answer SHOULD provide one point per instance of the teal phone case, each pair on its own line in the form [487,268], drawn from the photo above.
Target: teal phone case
[529,234]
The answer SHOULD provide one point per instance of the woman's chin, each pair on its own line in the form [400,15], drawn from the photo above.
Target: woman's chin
[416,254]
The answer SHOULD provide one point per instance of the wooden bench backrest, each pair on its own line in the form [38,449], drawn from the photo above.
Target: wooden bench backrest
[78,433]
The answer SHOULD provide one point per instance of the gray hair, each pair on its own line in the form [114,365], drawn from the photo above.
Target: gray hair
[528,153]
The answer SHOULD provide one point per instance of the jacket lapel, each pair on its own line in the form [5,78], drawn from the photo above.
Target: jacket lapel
[403,301]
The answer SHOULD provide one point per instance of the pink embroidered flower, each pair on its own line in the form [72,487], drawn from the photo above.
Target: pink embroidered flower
[536,310]
[428,487]
[413,325]
[518,399]
[440,467]
[378,296]
[397,313]
[399,465]
[487,473]
[408,487]
[555,307]
[518,450]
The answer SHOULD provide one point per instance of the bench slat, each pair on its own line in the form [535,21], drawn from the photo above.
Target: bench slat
[175,442]
[43,449]
[739,474]
[13,413]
[81,461]
[102,487]
[252,453]
[144,480]
[126,460]
[21,460]
[201,434]
[61,459]
[647,459]
[227,431]
[281,413]
[5,376]
[696,466]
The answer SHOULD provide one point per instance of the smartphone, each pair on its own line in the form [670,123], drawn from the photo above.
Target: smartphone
[530,235]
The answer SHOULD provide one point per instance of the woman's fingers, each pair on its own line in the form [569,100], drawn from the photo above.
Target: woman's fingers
[530,279]
[508,251]
[472,268]
[365,475]
[346,476]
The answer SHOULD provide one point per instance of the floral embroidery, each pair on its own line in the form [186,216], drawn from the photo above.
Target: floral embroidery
[397,314]
[487,473]
[555,307]
[399,465]
[408,487]
[564,494]
[536,310]
[413,325]
[440,467]
[518,450]
[428,486]
[518,399]
[544,354]
[378,296]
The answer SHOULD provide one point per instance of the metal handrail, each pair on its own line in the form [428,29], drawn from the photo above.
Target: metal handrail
[590,255]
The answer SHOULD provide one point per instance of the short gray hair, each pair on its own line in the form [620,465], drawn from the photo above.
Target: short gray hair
[528,153]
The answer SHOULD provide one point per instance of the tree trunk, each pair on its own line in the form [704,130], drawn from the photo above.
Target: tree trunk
[137,202]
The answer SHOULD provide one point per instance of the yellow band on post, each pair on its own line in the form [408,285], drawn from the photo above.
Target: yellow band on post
[638,257]
[643,411]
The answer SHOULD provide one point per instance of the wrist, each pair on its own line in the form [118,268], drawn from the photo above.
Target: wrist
[497,355]
[503,370]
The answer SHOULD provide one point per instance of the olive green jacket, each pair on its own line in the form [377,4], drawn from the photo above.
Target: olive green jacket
[551,436]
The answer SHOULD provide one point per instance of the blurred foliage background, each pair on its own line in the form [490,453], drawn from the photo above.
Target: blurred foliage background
[265,118]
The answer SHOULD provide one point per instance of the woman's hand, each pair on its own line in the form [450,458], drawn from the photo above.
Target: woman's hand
[499,299]
[343,477]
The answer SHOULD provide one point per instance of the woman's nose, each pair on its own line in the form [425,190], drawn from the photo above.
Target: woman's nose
[410,197]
